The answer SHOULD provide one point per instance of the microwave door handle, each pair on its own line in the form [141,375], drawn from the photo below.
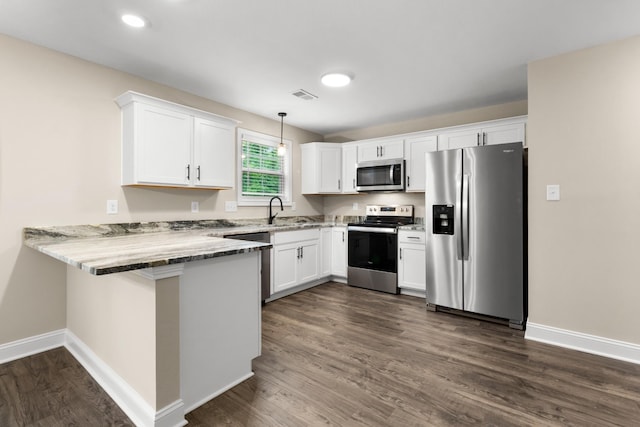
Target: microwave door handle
[391,174]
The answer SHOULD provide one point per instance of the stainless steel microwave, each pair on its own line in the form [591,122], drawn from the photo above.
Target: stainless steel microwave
[380,175]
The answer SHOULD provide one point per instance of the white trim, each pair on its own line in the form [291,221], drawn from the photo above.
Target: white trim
[136,408]
[606,347]
[265,139]
[217,393]
[171,415]
[32,345]
[162,272]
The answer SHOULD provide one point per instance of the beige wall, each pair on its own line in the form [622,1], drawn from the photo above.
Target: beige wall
[584,134]
[60,162]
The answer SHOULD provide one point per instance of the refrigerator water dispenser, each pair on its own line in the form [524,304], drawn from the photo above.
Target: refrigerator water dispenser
[442,219]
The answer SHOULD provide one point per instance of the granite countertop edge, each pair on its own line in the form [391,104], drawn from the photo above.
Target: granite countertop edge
[113,248]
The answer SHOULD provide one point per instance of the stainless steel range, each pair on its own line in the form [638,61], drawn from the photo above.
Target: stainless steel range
[373,247]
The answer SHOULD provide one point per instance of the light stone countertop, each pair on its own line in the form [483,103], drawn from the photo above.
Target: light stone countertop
[113,248]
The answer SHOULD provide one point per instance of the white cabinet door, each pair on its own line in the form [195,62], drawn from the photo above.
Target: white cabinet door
[296,258]
[325,244]
[162,146]
[415,149]
[380,150]
[330,169]
[309,261]
[285,266]
[487,134]
[459,139]
[503,134]
[411,260]
[321,168]
[214,154]
[349,161]
[339,252]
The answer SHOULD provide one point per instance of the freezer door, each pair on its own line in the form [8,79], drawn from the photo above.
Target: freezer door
[443,251]
[493,239]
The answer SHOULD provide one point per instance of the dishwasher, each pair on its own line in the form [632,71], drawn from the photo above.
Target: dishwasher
[265,275]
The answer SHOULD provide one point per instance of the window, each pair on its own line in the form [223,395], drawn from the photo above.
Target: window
[262,173]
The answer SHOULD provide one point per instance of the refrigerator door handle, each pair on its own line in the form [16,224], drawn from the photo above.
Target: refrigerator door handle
[465,217]
[459,217]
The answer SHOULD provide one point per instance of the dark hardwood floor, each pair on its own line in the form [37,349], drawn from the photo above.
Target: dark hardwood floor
[343,356]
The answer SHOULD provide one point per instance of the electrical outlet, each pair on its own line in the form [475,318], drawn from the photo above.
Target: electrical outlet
[553,192]
[195,207]
[355,207]
[231,206]
[293,206]
[112,207]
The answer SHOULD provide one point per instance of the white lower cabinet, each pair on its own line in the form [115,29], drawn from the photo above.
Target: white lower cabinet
[296,258]
[339,252]
[411,260]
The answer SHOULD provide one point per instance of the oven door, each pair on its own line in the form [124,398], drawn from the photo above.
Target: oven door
[373,248]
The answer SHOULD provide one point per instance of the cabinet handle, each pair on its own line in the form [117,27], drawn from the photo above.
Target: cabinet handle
[354,183]
[381,150]
[339,185]
[408,181]
[377,151]
[188,172]
[343,237]
[198,173]
[298,253]
[478,138]
[400,253]
[302,252]
[484,138]
[413,237]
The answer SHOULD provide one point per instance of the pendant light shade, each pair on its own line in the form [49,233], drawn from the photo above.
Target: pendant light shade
[282,149]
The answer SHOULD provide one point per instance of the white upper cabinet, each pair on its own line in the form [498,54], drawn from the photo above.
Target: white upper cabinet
[349,160]
[415,148]
[487,133]
[171,145]
[214,154]
[321,168]
[381,149]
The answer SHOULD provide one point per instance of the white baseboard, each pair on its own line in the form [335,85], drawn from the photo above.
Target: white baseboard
[32,345]
[217,393]
[136,408]
[584,342]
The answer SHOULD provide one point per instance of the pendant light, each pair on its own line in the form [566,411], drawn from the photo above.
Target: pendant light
[282,149]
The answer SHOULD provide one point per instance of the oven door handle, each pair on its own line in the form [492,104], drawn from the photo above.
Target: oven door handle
[386,230]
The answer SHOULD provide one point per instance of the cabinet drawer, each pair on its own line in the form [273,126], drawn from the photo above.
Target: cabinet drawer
[282,237]
[417,237]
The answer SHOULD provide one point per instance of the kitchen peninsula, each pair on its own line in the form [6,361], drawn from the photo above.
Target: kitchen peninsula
[165,316]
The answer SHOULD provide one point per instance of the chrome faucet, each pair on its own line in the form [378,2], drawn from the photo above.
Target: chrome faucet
[271,217]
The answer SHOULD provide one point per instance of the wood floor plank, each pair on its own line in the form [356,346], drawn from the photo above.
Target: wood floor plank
[405,366]
[342,356]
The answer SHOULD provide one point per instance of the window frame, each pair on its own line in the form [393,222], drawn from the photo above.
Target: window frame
[262,138]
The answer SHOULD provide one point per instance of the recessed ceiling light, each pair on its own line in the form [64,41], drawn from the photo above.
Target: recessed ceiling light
[336,79]
[134,20]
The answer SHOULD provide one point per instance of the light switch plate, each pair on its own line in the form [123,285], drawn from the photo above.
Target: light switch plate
[293,206]
[553,192]
[112,207]
[231,206]
[355,207]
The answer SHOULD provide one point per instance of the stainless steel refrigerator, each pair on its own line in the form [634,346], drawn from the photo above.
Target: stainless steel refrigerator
[475,231]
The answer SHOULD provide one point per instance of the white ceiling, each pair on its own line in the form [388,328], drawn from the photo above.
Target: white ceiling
[410,58]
